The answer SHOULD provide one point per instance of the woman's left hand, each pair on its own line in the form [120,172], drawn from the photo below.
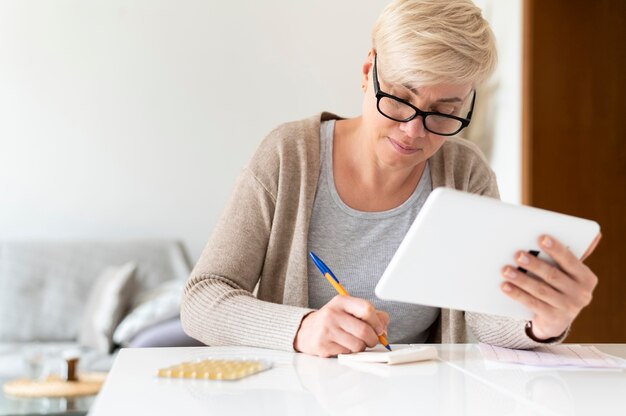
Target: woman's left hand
[557,294]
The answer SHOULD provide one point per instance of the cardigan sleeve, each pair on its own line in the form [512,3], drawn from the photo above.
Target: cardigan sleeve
[218,305]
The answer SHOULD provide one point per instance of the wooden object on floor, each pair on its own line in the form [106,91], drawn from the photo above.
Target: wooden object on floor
[88,384]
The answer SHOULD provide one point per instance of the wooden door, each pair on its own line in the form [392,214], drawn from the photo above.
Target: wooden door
[574,137]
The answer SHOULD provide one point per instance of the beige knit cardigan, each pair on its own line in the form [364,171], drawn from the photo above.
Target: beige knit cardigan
[259,246]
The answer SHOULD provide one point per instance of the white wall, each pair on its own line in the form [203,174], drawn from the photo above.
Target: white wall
[132,119]
[503,113]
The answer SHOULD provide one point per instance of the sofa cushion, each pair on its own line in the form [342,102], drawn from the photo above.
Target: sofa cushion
[159,304]
[107,303]
[168,333]
[52,279]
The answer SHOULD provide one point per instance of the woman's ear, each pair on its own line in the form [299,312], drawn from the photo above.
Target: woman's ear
[366,69]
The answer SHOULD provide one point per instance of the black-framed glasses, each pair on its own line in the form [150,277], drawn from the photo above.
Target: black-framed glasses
[397,109]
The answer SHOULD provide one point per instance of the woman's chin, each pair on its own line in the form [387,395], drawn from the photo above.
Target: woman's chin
[399,160]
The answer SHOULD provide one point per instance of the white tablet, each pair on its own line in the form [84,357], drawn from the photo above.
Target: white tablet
[453,254]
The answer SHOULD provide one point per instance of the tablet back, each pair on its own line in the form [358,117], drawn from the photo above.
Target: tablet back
[454,251]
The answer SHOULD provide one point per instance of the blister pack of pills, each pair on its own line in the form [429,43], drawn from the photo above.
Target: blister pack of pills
[215,369]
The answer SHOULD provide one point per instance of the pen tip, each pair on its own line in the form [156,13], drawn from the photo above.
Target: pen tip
[388,347]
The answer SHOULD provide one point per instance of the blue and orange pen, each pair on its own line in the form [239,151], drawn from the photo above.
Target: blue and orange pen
[332,279]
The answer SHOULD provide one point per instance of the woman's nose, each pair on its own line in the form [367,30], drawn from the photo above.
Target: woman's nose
[414,128]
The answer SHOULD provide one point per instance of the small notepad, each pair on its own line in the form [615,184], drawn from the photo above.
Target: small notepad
[400,356]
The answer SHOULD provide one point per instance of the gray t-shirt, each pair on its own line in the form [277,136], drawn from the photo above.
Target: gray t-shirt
[357,246]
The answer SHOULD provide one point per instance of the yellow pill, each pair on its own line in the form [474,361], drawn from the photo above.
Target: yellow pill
[164,372]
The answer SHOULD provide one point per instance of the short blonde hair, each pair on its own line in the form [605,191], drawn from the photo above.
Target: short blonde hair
[428,42]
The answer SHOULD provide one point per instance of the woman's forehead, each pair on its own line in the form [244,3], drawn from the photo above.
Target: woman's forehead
[445,92]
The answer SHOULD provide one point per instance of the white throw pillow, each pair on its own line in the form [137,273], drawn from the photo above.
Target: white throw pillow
[109,299]
[162,304]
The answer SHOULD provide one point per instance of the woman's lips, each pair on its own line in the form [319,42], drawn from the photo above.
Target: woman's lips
[405,150]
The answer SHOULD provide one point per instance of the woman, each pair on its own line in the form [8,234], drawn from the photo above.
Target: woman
[348,189]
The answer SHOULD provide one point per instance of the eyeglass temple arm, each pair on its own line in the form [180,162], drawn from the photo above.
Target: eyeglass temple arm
[469,115]
[375,74]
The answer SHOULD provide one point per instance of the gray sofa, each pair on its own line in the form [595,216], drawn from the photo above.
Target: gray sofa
[45,287]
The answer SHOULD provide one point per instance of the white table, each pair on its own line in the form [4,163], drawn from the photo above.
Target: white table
[459,383]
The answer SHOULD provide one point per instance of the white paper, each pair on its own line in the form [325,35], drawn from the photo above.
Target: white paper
[554,356]
[399,356]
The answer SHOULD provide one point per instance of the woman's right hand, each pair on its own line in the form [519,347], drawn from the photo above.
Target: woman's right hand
[343,325]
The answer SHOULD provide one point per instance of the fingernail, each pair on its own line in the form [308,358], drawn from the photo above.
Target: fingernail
[547,242]
[506,288]
[523,258]
[510,273]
